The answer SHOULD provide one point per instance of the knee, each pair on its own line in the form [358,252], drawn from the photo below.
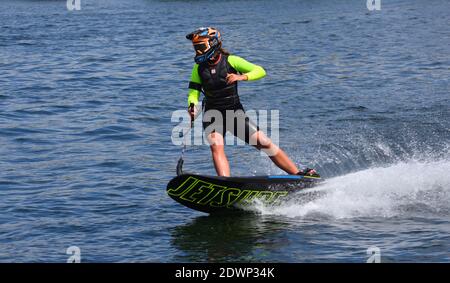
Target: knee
[216,148]
[260,141]
[263,143]
[215,140]
[216,143]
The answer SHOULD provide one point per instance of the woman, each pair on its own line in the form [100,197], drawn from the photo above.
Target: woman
[216,74]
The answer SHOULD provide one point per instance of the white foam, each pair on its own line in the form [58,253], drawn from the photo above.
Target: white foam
[410,187]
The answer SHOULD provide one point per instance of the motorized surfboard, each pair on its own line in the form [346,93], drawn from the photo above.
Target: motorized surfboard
[213,194]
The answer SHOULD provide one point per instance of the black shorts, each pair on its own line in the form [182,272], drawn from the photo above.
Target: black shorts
[233,120]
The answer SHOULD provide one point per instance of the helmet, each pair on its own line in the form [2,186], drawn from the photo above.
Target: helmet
[207,41]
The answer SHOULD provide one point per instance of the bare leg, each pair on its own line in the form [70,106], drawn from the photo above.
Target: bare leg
[278,156]
[218,154]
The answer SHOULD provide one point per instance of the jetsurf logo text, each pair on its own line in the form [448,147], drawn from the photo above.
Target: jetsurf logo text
[204,193]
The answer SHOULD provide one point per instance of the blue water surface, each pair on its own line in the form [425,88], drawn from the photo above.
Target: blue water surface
[86,100]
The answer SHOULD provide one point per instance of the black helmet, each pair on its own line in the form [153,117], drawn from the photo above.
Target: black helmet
[207,41]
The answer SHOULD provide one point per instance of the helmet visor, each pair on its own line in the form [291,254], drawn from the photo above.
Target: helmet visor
[201,47]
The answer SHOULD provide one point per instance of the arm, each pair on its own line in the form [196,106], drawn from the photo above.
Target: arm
[195,86]
[251,71]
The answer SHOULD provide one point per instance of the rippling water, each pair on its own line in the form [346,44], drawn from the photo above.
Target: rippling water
[86,99]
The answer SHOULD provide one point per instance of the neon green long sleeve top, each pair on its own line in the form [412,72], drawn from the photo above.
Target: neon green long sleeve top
[252,71]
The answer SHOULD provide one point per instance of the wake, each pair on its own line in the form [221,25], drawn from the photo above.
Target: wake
[408,188]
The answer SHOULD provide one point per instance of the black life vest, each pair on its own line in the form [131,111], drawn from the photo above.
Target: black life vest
[218,94]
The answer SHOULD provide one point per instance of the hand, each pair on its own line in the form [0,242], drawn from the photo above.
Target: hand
[192,111]
[231,78]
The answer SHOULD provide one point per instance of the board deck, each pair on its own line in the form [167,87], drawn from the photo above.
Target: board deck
[213,194]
